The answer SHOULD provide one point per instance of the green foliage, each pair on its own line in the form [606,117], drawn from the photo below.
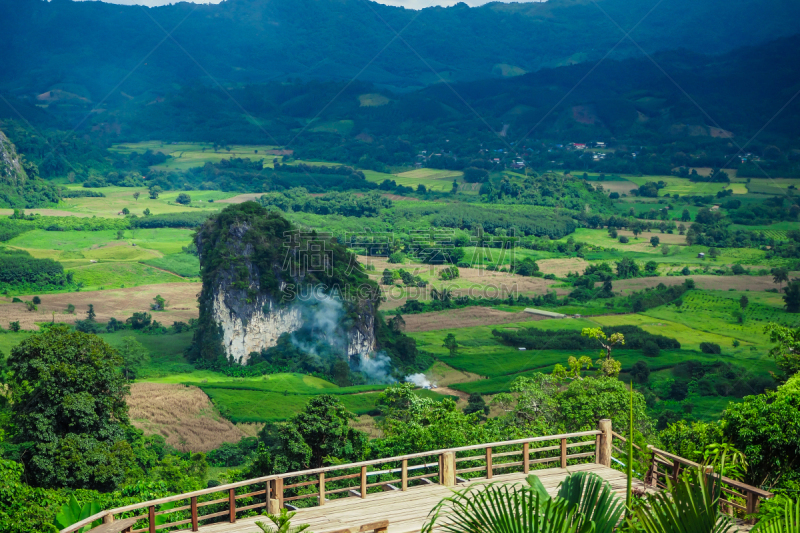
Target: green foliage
[282,523]
[134,355]
[69,410]
[788,522]
[319,434]
[584,503]
[691,506]
[786,351]
[19,269]
[766,428]
[563,339]
[690,439]
[73,512]
[338,203]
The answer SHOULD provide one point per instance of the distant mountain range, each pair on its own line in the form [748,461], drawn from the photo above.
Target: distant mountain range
[64,50]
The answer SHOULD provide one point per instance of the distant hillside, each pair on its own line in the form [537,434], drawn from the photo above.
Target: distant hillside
[736,93]
[67,54]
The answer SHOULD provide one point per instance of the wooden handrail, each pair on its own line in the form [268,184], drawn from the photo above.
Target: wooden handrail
[324,470]
[728,481]
[623,439]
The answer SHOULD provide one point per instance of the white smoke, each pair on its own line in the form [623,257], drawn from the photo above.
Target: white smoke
[376,368]
[420,380]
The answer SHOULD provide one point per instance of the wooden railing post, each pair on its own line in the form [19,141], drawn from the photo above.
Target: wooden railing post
[108,519]
[448,472]
[563,453]
[322,488]
[363,482]
[604,443]
[751,506]
[232,505]
[195,525]
[489,468]
[676,469]
[404,474]
[526,457]
[276,502]
[151,518]
[267,487]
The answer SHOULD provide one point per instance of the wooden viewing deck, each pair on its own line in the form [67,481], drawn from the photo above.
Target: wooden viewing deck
[408,511]
[403,490]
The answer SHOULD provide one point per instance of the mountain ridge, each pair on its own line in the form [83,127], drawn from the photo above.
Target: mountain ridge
[95,45]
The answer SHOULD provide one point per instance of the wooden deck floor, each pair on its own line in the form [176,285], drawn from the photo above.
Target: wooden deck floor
[408,511]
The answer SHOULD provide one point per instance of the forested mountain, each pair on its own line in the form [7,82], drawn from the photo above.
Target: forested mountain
[69,52]
[634,99]
[20,184]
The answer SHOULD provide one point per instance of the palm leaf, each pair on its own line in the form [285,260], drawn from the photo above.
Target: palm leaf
[789,522]
[691,506]
[594,499]
[494,508]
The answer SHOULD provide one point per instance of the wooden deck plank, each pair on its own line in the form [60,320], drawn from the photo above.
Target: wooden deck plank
[408,511]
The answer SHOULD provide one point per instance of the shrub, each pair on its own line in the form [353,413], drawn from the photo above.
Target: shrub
[710,348]
[183,199]
[651,349]
[623,239]
[397,258]
[37,300]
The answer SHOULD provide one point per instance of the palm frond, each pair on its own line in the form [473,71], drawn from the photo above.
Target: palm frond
[594,498]
[490,508]
[690,506]
[788,522]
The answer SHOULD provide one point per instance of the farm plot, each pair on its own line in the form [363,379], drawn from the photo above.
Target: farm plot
[183,415]
[184,156]
[117,303]
[432,179]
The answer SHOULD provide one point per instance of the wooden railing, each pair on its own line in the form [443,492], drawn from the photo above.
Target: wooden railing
[444,467]
[663,466]
[317,486]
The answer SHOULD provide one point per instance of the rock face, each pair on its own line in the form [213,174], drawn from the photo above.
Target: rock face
[252,327]
[11,171]
[252,294]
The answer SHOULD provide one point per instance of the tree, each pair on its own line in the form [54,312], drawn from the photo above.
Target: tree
[454,189]
[476,404]
[786,351]
[388,277]
[134,355]
[713,253]
[779,276]
[126,211]
[744,301]
[74,429]
[90,314]
[183,199]
[766,427]
[136,195]
[154,191]
[146,212]
[685,216]
[36,300]
[320,433]
[792,297]
[608,366]
[651,349]
[664,250]
[681,229]
[451,344]
[14,326]
[655,241]
[627,268]
[640,372]
[159,303]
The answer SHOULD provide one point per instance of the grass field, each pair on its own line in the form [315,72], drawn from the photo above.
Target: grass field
[247,406]
[683,187]
[431,178]
[184,156]
[184,265]
[110,275]
[117,198]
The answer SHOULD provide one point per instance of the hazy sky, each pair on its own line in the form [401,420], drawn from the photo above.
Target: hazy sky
[414,4]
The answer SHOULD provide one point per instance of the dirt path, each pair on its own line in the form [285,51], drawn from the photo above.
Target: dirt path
[451,392]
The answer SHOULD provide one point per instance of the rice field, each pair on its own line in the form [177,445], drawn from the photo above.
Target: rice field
[431,178]
[184,156]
